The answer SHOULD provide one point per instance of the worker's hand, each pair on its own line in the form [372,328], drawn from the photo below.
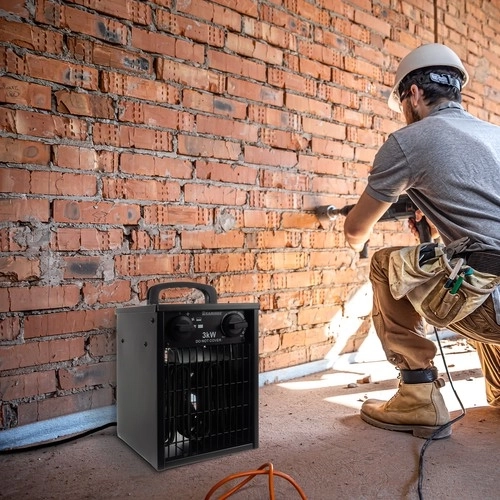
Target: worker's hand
[418,217]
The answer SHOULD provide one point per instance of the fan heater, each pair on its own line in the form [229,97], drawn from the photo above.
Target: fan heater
[187,378]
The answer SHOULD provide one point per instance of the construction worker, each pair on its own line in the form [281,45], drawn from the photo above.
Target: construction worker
[448,162]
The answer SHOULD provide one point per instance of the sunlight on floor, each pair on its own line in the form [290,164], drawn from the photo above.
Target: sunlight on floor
[462,365]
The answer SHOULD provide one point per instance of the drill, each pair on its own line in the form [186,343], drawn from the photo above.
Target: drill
[402,209]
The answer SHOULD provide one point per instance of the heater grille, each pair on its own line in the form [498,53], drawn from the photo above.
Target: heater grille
[208,399]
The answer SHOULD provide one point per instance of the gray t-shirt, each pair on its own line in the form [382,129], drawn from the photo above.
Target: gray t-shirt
[449,164]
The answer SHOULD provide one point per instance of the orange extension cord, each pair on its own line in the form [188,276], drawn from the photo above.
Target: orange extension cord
[263,469]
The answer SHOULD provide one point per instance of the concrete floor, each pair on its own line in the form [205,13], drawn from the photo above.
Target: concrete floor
[309,429]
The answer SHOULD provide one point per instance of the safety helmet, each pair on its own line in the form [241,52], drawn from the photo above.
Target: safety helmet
[425,56]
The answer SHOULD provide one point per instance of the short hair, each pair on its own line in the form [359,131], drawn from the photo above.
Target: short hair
[437,83]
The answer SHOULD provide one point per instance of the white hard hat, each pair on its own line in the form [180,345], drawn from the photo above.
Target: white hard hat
[425,56]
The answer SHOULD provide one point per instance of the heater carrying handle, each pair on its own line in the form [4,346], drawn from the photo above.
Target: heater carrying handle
[154,291]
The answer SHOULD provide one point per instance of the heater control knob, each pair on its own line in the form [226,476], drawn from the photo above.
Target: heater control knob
[181,327]
[233,324]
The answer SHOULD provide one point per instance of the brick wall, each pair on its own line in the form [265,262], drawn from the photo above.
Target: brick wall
[145,142]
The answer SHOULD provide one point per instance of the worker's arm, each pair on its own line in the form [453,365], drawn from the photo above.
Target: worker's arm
[359,222]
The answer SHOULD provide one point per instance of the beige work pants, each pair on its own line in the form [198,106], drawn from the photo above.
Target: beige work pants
[401,330]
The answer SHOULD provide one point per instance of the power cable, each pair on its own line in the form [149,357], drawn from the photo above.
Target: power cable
[442,427]
[266,469]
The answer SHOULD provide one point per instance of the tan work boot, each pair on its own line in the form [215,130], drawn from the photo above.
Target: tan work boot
[416,407]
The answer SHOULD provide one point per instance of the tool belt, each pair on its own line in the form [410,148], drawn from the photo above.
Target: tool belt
[441,284]
[487,261]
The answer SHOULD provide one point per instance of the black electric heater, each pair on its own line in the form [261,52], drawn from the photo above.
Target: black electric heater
[187,378]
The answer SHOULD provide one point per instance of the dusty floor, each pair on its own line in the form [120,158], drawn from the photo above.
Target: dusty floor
[310,430]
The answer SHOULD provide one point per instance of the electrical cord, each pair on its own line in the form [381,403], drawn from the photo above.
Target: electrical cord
[442,427]
[57,441]
[264,469]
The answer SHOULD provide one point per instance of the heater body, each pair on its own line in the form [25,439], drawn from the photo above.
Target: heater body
[187,378]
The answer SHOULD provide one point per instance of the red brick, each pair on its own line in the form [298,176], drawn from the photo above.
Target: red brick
[85,376]
[189,51]
[30,37]
[324,128]
[19,151]
[133,10]
[284,180]
[293,81]
[255,92]
[126,136]
[197,240]
[327,147]
[24,210]
[27,385]
[138,164]
[107,293]
[273,35]
[63,72]
[236,65]
[191,76]
[275,199]
[260,218]
[68,322]
[212,12]
[308,105]
[40,353]
[285,140]
[247,47]
[79,103]
[33,95]
[63,184]
[152,264]
[194,30]
[82,267]
[41,125]
[10,328]
[64,405]
[16,7]
[201,193]
[261,156]
[214,104]
[208,148]
[71,239]
[114,57]
[14,180]
[156,116]
[223,172]
[272,239]
[102,345]
[242,283]
[223,263]
[144,240]
[177,215]
[227,128]
[96,213]
[17,268]
[141,189]
[141,88]
[80,21]
[38,297]
[75,157]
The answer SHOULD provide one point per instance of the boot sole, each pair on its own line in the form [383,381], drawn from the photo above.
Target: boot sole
[420,431]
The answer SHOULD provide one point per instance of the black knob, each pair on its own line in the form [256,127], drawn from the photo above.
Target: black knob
[181,327]
[233,324]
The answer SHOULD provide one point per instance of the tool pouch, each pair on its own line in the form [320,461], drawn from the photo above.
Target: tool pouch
[423,282]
